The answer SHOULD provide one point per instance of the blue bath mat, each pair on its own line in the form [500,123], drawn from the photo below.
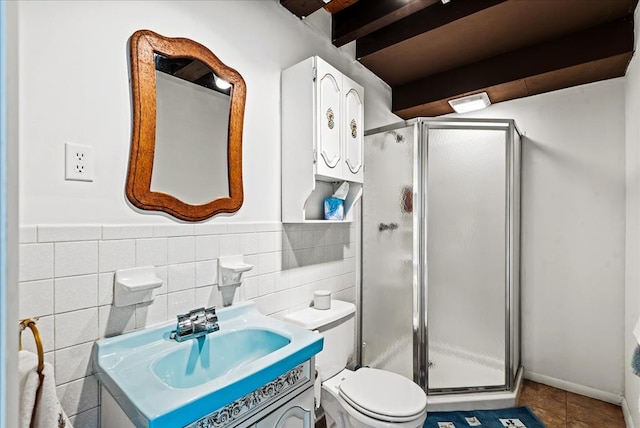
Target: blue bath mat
[513,417]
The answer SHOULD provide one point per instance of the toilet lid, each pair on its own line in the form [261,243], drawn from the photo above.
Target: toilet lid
[383,395]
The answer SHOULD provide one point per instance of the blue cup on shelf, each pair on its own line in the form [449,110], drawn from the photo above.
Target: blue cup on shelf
[333,209]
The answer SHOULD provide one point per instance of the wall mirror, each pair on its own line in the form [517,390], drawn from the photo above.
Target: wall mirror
[188,112]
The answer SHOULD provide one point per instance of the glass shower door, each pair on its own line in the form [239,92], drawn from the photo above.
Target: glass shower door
[387,296]
[466,251]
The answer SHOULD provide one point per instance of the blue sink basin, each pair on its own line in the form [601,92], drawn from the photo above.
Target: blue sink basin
[159,382]
[214,355]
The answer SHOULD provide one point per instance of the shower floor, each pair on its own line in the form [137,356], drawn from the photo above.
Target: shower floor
[455,371]
[449,370]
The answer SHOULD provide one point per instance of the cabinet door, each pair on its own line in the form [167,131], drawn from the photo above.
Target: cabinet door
[295,417]
[287,417]
[297,413]
[328,120]
[353,153]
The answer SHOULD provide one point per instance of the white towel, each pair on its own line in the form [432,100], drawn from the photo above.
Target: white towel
[49,413]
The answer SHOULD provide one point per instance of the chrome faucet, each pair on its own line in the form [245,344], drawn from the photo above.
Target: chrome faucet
[196,323]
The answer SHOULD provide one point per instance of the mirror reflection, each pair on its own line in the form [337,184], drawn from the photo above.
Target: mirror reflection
[192,121]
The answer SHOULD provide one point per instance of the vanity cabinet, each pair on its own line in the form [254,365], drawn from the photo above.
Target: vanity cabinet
[297,413]
[285,402]
[322,139]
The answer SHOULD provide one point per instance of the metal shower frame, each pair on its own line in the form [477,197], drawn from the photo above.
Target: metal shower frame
[420,287]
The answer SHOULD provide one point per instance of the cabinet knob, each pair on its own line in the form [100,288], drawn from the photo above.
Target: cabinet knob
[330,118]
[354,128]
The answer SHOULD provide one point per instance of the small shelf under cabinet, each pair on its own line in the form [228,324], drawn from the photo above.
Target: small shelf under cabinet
[301,209]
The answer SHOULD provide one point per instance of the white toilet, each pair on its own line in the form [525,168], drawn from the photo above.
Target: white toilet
[366,398]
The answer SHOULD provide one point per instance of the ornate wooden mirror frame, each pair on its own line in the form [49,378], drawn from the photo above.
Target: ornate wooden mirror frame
[143,45]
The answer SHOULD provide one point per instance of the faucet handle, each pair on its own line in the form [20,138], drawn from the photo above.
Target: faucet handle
[185,324]
[212,319]
[195,313]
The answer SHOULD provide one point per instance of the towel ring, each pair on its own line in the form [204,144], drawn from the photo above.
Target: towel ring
[31,323]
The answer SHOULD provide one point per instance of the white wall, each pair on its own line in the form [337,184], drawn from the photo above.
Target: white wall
[74,88]
[8,318]
[573,233]
[632,251]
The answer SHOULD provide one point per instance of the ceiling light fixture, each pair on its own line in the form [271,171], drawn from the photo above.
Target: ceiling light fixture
[222,84]
[470,102]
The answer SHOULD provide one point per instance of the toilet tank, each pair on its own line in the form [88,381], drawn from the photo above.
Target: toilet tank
[337,326]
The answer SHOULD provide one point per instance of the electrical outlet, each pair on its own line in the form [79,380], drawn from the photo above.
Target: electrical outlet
[78,162]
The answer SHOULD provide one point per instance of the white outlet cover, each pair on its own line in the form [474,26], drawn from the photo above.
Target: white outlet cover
[78,162]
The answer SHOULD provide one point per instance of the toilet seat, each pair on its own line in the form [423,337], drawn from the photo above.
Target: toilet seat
[383,395]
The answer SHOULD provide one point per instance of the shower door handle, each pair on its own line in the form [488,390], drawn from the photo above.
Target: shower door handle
[390,226]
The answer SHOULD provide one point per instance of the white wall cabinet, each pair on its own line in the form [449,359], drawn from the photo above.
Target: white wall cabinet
[353,132]
[322,139]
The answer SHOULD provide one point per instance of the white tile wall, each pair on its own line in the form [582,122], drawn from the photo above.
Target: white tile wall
[207,247]
[173,230]
[67,274]
[114,255]
[73,363]
[60,233]
[86,419]
[151,313]
[36,261]
[75,292]
[126,231]
[181,277]
[80,395]
[28,234]
[151,252]
[41,301]
[206,273]
[73,328]
[76,258]
[182,249]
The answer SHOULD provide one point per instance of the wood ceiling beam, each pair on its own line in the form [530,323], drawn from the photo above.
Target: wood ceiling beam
[302,8]
[367,16]
[335,6]
[429,18]
[192,71]
[604,41]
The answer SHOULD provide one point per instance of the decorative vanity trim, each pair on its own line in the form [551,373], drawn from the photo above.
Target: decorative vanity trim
[230,413]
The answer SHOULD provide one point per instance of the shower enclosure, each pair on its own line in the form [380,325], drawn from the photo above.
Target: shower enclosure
[440,258]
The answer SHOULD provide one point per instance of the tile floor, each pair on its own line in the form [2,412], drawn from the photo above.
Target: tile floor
[561,409]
